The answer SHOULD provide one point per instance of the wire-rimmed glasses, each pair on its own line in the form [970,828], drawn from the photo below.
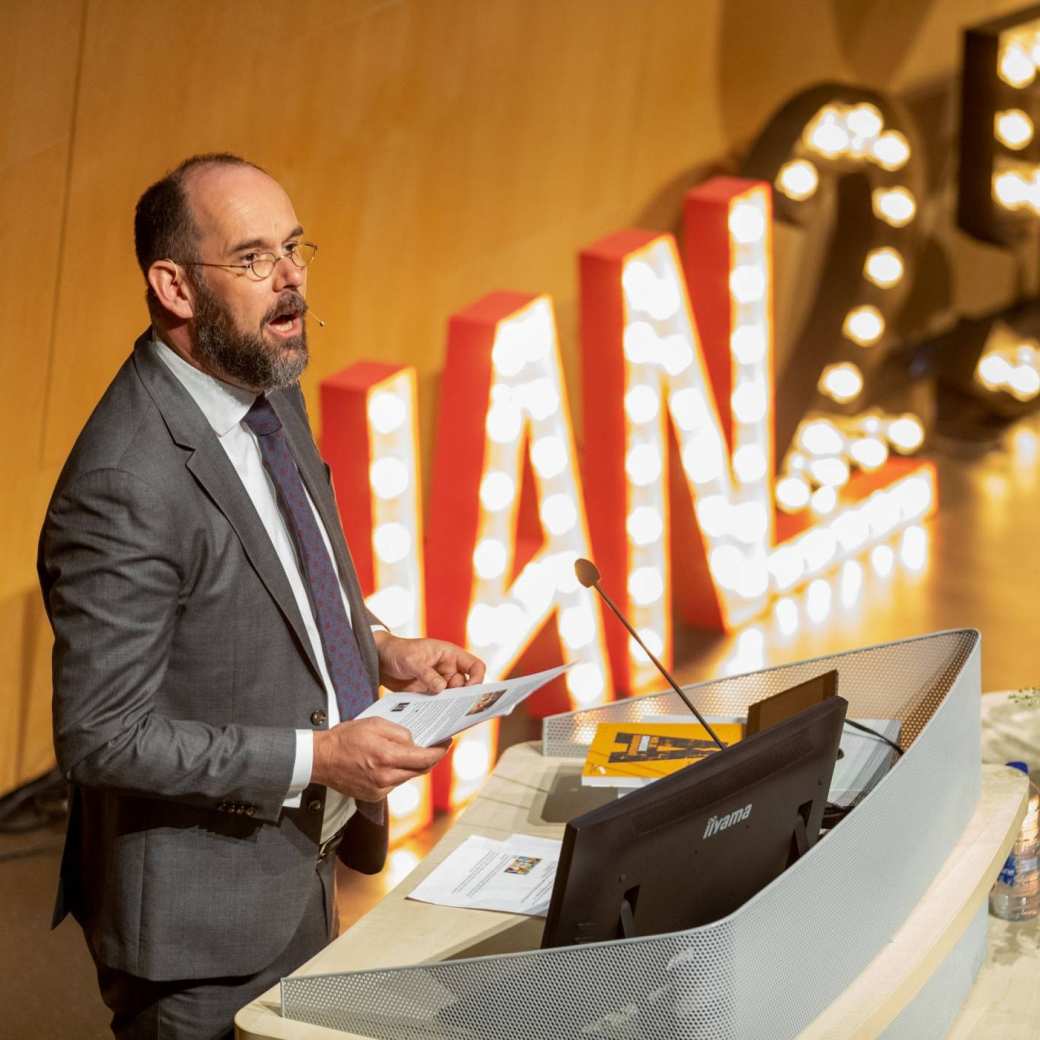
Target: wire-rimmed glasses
[262,265]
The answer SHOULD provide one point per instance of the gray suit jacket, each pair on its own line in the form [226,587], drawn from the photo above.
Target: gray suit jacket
[181,670]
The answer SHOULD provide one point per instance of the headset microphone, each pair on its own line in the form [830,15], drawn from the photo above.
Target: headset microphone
[588,574]
[321,324]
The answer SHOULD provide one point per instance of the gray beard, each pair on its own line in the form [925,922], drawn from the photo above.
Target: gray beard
[245,358]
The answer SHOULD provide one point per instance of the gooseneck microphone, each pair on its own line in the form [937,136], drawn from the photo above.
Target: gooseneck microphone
[588,574]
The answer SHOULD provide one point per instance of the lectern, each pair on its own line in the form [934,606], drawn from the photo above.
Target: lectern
[877,931]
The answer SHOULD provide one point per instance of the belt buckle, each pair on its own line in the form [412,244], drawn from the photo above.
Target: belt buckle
[329,845]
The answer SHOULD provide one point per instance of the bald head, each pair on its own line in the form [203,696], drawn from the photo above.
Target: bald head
[235,208]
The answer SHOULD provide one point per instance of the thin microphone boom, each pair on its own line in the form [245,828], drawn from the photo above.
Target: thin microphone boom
[588,574]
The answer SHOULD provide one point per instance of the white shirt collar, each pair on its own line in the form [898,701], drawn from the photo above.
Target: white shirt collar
[223,405]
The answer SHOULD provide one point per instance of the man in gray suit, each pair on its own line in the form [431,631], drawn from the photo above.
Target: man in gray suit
[211,640]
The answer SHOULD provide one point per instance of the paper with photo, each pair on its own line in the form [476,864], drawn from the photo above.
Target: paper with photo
[431,718]
[514,876]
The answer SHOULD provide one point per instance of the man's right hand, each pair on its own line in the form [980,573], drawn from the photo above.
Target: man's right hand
[368,758]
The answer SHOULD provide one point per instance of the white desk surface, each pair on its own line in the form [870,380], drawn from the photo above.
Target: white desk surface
[1004,1004]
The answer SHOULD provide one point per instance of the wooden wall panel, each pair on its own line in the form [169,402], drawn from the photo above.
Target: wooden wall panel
[38,64]
[436,149]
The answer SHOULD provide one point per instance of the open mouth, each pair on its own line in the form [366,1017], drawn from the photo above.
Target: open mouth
[288,322]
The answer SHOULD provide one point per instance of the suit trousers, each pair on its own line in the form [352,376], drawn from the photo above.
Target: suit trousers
[204,1009]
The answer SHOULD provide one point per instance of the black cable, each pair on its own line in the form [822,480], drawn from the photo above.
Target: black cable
[833,813]
[32,850]
[874,733]
[34,805]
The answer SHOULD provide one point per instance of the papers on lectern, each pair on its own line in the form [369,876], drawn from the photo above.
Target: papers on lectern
[514,875]
[433,718]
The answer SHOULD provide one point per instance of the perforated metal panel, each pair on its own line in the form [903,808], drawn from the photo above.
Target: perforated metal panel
[924,669]
[768,969]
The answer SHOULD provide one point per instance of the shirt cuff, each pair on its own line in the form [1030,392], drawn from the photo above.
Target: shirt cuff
[302,768]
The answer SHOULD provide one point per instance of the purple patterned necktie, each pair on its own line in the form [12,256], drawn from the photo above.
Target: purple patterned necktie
[349,676]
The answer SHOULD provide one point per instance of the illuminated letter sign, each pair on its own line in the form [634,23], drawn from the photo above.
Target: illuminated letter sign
[507,516]
[643,365]
[369,439]
[640,346]
[999,185]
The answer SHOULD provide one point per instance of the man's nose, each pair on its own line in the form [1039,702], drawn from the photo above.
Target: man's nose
[287,275]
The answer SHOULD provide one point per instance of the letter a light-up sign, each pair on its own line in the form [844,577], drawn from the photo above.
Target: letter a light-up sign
[643,370]
[369,438]
[507,518]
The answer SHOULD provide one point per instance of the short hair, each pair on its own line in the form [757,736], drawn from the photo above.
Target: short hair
[163,223]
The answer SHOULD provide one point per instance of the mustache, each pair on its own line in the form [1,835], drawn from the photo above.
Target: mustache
[290,302]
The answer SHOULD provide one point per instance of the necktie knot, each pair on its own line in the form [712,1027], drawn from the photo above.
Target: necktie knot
[261,418]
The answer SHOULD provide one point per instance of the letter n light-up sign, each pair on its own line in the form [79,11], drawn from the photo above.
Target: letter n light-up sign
[651,365]
[648,368]
[369,439]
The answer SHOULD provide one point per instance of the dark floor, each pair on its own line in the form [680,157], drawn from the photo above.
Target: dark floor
[979,567]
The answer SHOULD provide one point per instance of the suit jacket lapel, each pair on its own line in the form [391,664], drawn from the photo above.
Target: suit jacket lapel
[210,466]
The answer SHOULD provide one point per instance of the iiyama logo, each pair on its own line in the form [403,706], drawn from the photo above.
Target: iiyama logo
[720,823]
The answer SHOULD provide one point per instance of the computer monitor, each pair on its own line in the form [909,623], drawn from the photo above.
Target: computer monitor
[692,847]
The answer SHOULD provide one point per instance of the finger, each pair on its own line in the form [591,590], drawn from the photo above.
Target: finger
[390,778]
[431,680]
[475,669]
[413,758]
[455,680]
[387,729]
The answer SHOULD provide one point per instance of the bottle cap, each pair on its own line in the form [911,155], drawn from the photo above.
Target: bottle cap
[1023,766]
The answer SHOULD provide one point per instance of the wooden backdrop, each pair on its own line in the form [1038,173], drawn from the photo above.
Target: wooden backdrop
[436,149]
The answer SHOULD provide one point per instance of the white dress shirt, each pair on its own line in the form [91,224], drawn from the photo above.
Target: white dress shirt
[224,407]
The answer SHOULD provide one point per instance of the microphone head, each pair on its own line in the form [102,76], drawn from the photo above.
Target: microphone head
[587,572]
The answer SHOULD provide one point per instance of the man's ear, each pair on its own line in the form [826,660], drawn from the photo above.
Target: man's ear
[172,288]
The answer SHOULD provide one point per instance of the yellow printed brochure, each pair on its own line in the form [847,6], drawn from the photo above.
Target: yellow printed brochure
[631,754]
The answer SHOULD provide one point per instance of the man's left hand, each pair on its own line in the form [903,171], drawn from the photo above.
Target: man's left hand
[425,665]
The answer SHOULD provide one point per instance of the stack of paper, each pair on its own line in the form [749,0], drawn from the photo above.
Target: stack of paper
[514,875]
[432,718]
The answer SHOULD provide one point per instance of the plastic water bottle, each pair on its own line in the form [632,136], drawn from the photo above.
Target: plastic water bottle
[1016,895]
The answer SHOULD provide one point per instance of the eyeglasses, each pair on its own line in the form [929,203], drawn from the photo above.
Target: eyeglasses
[262,265]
